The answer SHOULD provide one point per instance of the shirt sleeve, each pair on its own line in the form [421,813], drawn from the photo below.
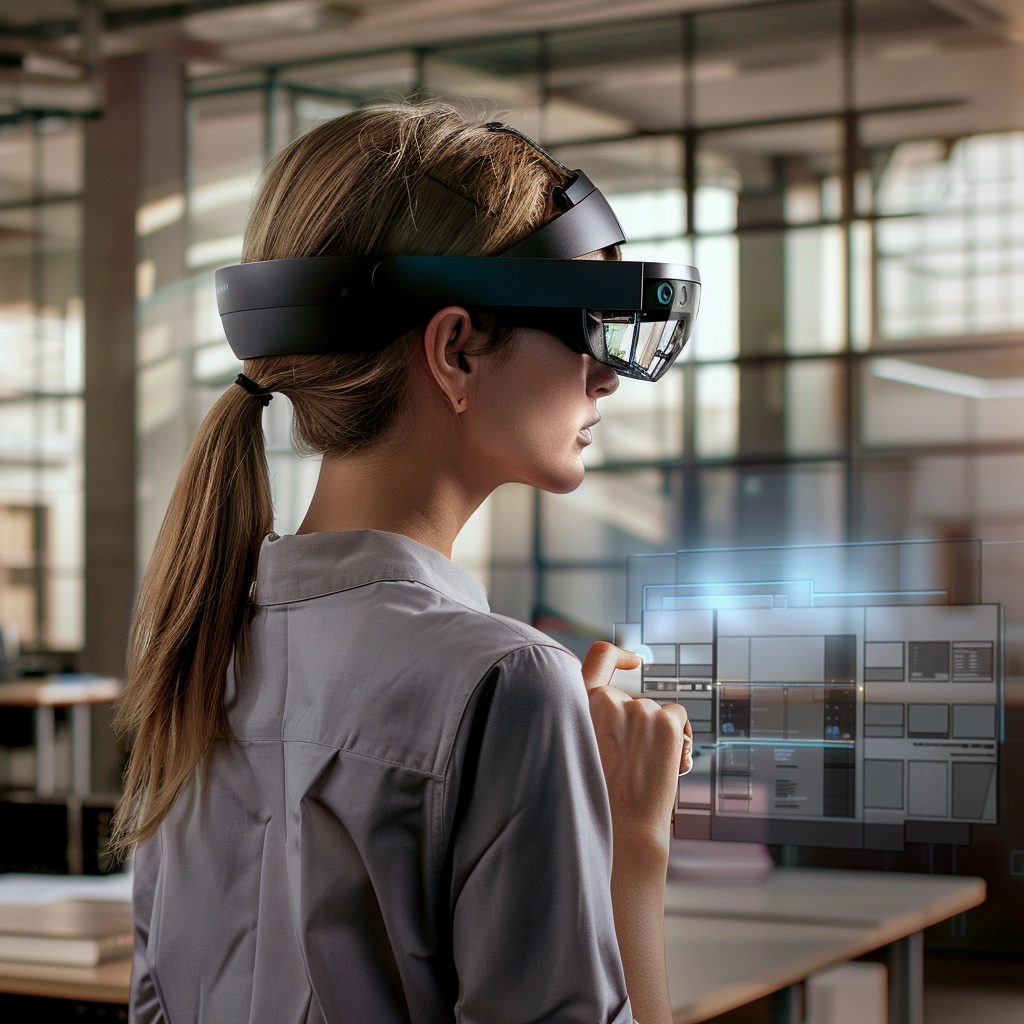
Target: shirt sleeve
[143,1002]
[532,927]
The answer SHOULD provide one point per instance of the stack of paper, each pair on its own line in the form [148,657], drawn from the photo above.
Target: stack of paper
[66,920]
[74,933]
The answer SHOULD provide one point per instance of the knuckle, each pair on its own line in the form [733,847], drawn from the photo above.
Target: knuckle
[669,726]
[679,713]
[603,703]
[647,706]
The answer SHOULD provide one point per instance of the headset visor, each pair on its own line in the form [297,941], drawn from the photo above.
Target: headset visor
[634,347]
[644,343]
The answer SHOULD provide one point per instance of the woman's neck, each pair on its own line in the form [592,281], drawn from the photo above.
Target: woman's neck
[398,489]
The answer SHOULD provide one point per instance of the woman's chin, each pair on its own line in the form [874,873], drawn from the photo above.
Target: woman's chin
[563,480]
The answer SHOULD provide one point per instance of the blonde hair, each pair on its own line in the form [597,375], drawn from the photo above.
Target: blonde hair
[398,179]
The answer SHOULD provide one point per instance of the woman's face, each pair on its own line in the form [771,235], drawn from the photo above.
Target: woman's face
[531,407]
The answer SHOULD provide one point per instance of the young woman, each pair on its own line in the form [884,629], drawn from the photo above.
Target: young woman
[354,793]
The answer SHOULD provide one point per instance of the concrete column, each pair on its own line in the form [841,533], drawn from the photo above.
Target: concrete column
[761,498]
[134,154]
[761,312]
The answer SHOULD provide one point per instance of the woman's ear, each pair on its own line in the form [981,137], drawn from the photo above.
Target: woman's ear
[447,338]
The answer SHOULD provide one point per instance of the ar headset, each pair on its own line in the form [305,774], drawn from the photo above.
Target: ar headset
[633,317]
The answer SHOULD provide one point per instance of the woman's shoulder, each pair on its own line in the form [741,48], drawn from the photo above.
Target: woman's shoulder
[515,634]
[439,631]
[532,668]
[515,647]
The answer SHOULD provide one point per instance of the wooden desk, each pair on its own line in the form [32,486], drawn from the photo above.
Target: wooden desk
[49,692]
[716,964]
[729,944]
[726,945]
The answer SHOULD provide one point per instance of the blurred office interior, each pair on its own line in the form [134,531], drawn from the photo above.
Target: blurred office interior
[847,175]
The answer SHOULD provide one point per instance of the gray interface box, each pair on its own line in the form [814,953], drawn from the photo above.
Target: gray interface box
[843,695]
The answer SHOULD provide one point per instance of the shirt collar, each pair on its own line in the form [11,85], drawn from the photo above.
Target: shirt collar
[298,568]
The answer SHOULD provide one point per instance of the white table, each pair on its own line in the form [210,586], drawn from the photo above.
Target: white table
[46,693]
[727,945]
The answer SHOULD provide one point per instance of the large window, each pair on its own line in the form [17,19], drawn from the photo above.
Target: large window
[41,410]
[856,371]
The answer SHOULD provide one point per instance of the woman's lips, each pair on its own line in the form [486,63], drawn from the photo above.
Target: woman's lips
[584,435]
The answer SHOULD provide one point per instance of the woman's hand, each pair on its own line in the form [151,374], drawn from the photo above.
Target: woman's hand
[643,747]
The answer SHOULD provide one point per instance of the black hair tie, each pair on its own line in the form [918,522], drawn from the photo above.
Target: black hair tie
[254,389]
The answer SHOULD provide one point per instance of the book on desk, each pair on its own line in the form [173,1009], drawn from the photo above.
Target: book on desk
[71,933]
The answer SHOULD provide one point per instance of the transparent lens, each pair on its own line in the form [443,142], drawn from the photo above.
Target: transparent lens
[619,337]
[644,349]
[658,344]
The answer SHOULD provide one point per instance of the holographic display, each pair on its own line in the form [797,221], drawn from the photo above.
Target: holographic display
[846,695]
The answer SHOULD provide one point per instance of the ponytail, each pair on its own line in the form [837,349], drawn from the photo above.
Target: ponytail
[191,611]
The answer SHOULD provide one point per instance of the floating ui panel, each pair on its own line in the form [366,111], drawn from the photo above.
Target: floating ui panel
[825,712]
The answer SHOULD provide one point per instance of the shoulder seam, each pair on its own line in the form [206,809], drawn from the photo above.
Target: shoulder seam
[446,774]
[487,671]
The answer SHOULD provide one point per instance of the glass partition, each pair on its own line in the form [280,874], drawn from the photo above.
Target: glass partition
[41,408]
[856,237]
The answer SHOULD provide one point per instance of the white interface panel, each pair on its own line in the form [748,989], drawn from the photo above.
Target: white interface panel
[824,717]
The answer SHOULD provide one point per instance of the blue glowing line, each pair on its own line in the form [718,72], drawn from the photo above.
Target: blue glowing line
[733,583]
[829,744]
[814,595]
[843,684]
[810,547]
[809,584]
[880,593]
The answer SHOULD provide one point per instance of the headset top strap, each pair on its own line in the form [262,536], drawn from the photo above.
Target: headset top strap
[587,223]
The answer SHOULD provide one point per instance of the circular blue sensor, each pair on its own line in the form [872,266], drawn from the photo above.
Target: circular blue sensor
[665,293]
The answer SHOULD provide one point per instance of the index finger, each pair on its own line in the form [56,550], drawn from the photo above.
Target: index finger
[602,660]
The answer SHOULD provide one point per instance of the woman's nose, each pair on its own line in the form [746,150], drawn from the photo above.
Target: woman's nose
[601,380]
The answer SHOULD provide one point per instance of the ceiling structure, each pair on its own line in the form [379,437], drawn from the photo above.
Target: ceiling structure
[240,32]
[956,65]
[243,32]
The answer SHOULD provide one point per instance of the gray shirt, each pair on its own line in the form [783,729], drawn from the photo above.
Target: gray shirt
[408,823]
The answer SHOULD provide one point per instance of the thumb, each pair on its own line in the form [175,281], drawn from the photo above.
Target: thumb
[602,660]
